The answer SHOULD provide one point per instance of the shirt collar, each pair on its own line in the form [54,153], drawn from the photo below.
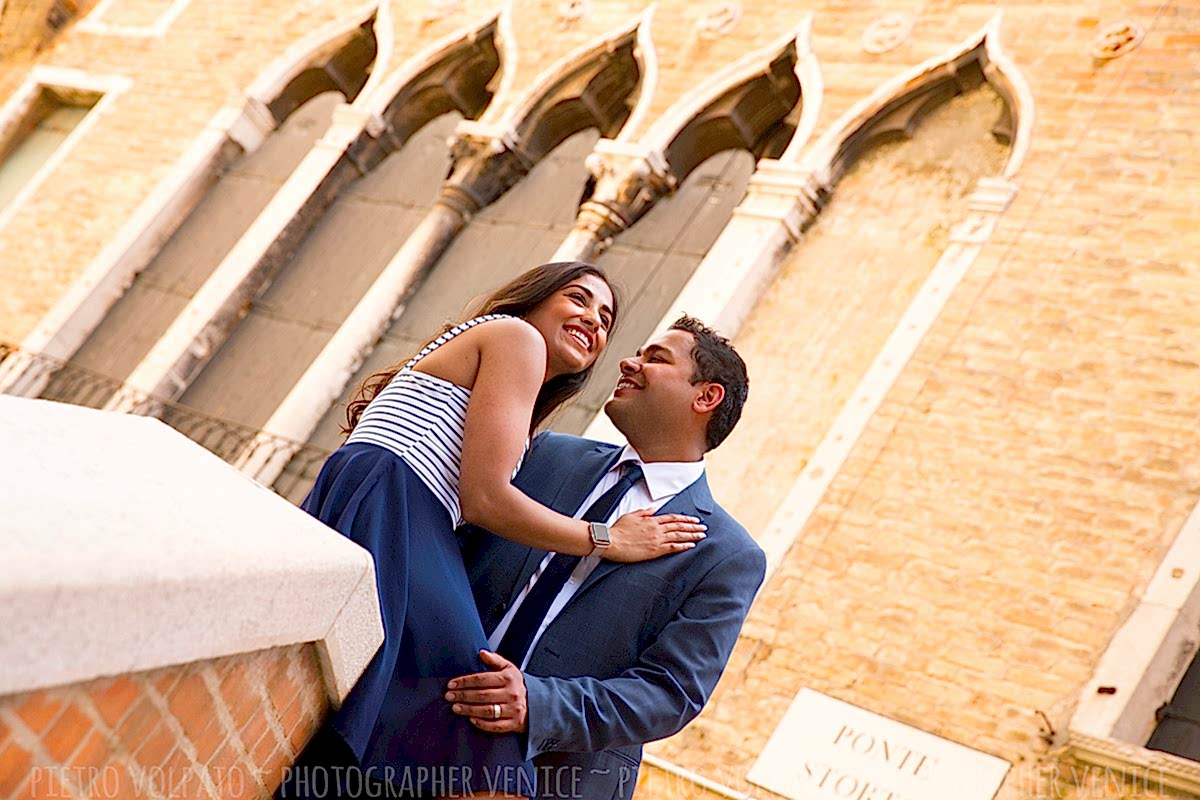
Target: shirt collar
[663,478]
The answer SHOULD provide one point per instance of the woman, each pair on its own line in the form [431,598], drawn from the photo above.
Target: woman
[435,444]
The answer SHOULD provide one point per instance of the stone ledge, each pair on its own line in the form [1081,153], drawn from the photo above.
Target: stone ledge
[128,547]
[1150,768]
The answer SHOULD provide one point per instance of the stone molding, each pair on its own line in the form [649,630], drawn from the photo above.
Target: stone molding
[312,49]
[94,21]
[630,178]
[818,171]
[457,59]
[1160,770]
[547,87]
[785,193]
[967,239]
[490,155]
[785,197]
[73,310]
[794,45]
[812,175]
[487,160]
[899,104]
[13,112]
[646,53]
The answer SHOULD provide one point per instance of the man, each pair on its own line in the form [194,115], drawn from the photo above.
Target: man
[605,656]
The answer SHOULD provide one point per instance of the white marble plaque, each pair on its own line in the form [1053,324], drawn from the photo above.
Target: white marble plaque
[825,749]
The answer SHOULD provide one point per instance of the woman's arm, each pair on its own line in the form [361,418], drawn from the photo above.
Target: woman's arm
[512,366]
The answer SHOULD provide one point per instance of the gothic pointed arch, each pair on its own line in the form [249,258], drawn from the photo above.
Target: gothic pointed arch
[907,257]
[455,74]
[594,86]
[896,109]
[757,104]
[338,57]
[753,105]
[455,78]
[387,181]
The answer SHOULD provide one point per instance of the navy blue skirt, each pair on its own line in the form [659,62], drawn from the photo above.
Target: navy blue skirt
[396,715]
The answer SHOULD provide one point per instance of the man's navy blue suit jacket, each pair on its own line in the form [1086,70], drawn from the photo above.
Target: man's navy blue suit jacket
[637,651]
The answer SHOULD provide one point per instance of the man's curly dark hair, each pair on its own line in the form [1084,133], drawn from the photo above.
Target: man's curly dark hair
[716,361]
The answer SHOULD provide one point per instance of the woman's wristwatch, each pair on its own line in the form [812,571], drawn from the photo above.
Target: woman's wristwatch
[601,538]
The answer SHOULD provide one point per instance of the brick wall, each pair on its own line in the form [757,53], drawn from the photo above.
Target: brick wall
[224,728]
[29,25]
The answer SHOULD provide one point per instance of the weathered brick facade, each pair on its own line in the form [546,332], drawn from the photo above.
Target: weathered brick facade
[221,728]
[1006,505]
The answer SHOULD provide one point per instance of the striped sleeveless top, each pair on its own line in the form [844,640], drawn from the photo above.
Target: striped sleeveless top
[421,419]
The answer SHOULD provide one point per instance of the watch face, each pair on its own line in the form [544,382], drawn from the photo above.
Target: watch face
[600,534]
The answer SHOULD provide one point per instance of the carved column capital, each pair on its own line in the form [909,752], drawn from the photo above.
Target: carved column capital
[487,160]
[785,192]
[249,126]
[630,178]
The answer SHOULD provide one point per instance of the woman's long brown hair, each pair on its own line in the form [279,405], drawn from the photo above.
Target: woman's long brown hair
[516,298]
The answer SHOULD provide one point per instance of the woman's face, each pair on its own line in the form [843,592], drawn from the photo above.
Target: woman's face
[574,321]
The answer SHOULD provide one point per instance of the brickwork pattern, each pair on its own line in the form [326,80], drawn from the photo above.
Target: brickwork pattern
[840,294]
[220,729]
[28,26]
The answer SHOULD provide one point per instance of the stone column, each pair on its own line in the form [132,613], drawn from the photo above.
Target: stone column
[487,162]
[630,178]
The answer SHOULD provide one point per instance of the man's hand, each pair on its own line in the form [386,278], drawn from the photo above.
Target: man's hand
[480,695]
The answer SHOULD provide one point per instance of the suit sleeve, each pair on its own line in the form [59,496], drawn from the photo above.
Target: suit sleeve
[669,684]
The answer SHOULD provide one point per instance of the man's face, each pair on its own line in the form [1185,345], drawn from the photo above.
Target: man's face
[655,387]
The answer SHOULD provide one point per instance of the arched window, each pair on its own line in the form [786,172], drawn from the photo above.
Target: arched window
[515,170]
[243,182]
[318,281]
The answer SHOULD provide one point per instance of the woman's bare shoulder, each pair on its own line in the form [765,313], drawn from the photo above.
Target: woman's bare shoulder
[509,333]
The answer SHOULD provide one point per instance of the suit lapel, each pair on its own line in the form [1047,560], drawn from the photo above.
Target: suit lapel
[581,479]
[696,500]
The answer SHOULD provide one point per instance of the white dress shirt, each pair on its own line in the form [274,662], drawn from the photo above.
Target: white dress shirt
[660,482]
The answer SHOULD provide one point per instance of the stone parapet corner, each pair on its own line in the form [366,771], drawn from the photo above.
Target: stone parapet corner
[127,547]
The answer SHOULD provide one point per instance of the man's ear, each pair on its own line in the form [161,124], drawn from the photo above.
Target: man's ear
[709,398]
